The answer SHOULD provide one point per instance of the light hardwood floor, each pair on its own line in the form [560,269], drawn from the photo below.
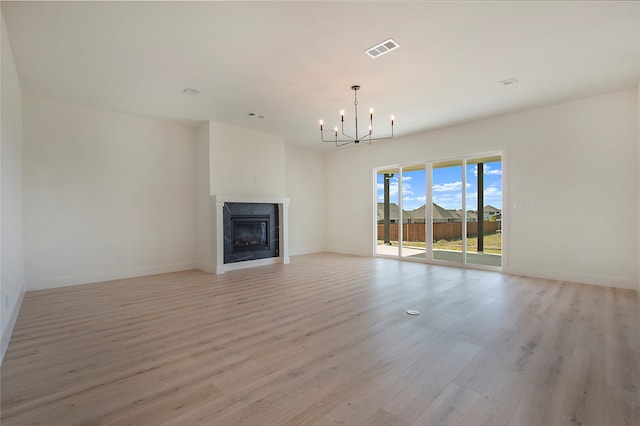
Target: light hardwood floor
[323,341]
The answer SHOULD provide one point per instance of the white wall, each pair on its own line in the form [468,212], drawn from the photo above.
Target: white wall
[574,164]
[11,241]
[106,195]
[245,162]
[204,236]
[305,186]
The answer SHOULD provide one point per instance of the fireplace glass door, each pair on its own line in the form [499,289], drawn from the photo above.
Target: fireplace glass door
[250,233]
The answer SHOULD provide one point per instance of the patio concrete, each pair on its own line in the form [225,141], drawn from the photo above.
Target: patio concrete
[444,255]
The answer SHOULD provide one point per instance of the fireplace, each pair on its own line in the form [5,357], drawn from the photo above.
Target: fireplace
[251,231]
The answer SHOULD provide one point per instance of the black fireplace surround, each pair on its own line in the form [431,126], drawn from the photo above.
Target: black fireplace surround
[251,231]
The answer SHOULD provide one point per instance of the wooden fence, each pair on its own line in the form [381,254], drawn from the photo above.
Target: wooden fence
[441,231]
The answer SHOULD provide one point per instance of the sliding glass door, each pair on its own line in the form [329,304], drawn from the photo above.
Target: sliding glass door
[442,211]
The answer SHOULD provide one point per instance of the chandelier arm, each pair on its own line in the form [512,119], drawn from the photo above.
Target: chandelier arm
[336,140]
[384,137]
[350,139]
[348,136]
[346,141]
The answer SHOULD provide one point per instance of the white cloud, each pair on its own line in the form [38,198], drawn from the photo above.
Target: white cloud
[487,170]
[446,187]
[447,195]
[422,198]
[412,203]
[447,201]
[492,191]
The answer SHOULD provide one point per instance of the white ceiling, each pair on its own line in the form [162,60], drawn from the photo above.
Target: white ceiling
[294,62]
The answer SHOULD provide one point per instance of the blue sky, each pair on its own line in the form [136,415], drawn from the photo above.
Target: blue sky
[447,187]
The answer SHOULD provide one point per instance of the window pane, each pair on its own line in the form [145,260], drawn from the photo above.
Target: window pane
[484,212]
[447,211]
[414,195]
[387,212]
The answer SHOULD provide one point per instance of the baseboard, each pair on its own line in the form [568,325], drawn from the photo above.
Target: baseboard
[108,276]
[304,251]
[206,268]
[352,252]
[8,329]
[593,279]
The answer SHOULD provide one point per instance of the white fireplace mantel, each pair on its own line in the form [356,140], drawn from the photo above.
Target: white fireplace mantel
[217,205]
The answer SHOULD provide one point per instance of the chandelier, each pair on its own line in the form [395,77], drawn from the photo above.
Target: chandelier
[347,139]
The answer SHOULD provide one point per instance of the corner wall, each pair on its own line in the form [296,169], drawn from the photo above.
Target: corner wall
[11,165]
[106,195]
[305,186]
[574,165]
[204,251]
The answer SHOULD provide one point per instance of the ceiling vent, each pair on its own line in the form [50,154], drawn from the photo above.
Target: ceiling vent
[191,92]
[382,48]
[508,81]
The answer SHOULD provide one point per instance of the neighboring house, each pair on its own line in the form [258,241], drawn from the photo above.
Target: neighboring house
[472,215]
[440,214]
[393,212]
[490,211]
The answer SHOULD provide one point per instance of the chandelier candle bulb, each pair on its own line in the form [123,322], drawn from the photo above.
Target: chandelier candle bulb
[321,123]
[342,115]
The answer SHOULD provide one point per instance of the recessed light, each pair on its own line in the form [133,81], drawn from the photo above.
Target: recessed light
[382,48]
[191,92]
[508,81]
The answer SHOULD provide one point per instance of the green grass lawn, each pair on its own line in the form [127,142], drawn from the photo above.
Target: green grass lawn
[492,244]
